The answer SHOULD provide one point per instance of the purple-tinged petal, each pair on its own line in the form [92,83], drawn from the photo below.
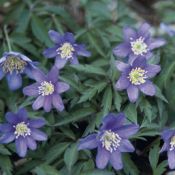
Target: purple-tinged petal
[155,43]
[50,52]
[102,157]
[54,36]
[47,103]
[122,83]
[3,58]
[37,123]
[1,74]
[148,88]
[139,62]
[129,33]
[21,146]
[122,50]
[11,117]
[7,138]
[167,134]
[38,103]
[113,121]
[57,102]
[127,131]
[29,72]
[144,30]
[74,60]
[126,146]
[31,143]
[89,142]
[116,160]
[164,147]
[60,63]
[132,58]
[121,66]
[62,87]
[81,50]
[14,81]
[31,90]
[38,75]
[152,70]
[38,135]
[171,159]
[133,93]
[22,114]
[53,74]
[6,128]
[69,37]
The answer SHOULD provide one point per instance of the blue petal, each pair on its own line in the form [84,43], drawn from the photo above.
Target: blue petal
[38,135]
[14,81]
[116,160]
[54,36]
[1,73]
[21,146]
[7,138]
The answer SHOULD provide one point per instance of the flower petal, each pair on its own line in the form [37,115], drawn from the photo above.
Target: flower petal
[61,87]
[50,52]
[129,33]
[31,90]
[74,60]
[152,70]
[116,160]
[122,50]
[38,135]
[164,147]
[155,43]
[22,114]
[14,81]
[81,50]
[148,88]
[31,143]
[60,63]
[139,62]
[127,131]
[11,117]
[121,66]
[7,138]
[47,103]
[69,37]
[167,133]
[113,121]
[144,30]
[171,159]
[126,146]
[1,74]
[89,142]
[38,103]
[21,146]
[53,74]
[54,36]
[102,157]
[6,127]
[37,123]
[38,75]
[133,93]
[122,83]
[57,102]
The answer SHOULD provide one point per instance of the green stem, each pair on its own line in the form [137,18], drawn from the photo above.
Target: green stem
[7,38]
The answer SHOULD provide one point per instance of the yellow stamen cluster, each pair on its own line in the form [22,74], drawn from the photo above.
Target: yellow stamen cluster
[66,51]
[46,88]
[110,140]
[137,76]
[13,63]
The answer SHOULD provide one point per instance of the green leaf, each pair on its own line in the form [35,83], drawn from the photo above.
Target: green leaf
[6,165]
[117,100]
[97,172]
[160,95]
[131,112]
[71,156]
[4,151]
[89,69]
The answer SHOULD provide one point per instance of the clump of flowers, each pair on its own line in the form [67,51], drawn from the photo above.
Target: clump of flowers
[24,131]
[12,65]
[111,141]
[135,77]
[137,43]
[65,49]
[47,89]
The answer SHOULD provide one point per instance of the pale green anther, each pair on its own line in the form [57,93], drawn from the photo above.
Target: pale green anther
[13,63]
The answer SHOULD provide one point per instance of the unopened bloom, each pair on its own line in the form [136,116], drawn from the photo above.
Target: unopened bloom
[22,130]
[65,49]
[135,77]
[47,89]
[110,141]
[137,43]
[12,65]
[168,137]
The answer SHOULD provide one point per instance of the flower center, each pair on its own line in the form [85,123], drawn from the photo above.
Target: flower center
[13,63]
[137,76]
[139,47]
[110,140]
[172,143]
[46,88]
[21,129]
[66,51]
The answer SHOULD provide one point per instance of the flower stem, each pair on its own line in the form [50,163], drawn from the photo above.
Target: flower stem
[7,38]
